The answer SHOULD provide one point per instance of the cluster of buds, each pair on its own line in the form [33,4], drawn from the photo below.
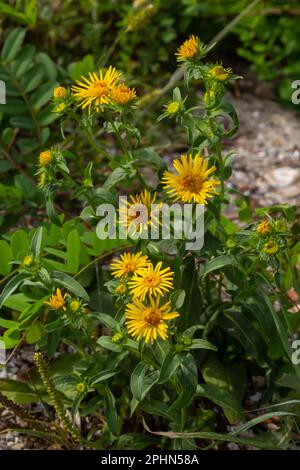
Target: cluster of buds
[73,310]
[272,237]
[50,162]
[62,99]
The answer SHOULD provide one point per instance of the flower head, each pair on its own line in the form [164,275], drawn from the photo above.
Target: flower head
[271,247]
[121,289]
[151,280]
[60,108]
[57,301]
[28,261]
[122,94]
[191,183]
[188,50]
[149,321]
[81,387]
[264,228]
[128,264]
[173,107]
[45,158]
[117,338]
[97,88]
[220,73]
[60,92]
[140,208]
[75,305]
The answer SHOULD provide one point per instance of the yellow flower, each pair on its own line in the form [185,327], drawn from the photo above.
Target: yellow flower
[97,89]
[57,300]
[140,206]
[271,247]
[27,261]
[220,73]
[45,158]
[173,107]
[264,228]
[128,264]
[191,183]
[152,281]
[148,321]
[60,92]
[122,94]
[75,305]
[188,50]
[121,289]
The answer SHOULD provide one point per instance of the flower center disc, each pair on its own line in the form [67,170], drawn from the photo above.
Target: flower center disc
[98,89]
[152,316]
[152,280]
[191,183]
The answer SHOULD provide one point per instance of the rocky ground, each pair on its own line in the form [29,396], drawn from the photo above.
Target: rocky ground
[267,147]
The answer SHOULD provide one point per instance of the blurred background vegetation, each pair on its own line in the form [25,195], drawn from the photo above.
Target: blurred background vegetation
[81,34]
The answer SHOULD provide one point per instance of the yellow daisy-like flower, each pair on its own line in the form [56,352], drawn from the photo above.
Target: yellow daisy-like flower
[60,92]
[271,247]
[152,281]
[45,158]
[188,49]
[264,228]
[140,206]
[97,89]
[128,264]
[149,321]
[191,183]
[220,73]
[57,301]
[122,94]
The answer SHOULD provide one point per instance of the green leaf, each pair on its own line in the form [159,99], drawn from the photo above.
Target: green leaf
[202,344]
[137,380]
[134,441]
[73,251]
[177,298]
[187,376]
[19,392]
[11,286]
[37,241]
[217,263]
[101,376]
[259,419]
[34,333]
[5,258]
[111,413]
[169,366]
[149,156]
[118,175]
[33,78]
[106,343]
[70,284]
[13,44]
[106,320]
[19,244]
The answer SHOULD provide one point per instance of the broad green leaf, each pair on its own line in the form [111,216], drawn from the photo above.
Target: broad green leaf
[37,241]
[5,258]
[11,286]
[70,284]
[19,244]
[137,380]
[73,251]
[102,376]
[111,413]
[34,333]
[13,44]
[169,366]
[106,343]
